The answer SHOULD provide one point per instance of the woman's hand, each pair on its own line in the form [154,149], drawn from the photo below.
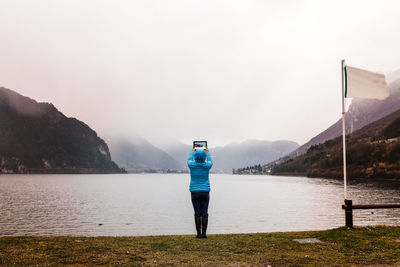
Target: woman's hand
[193,150]
[206,150]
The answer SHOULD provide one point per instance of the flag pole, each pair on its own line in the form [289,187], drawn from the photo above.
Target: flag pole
[344,133]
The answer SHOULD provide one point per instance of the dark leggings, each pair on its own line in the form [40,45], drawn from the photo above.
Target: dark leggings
[200,200]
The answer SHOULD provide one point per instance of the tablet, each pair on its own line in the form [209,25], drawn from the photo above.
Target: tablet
[199,144]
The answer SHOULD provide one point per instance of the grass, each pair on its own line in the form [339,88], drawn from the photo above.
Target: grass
[342,246]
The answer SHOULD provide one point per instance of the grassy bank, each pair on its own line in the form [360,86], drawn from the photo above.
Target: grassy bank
[342,246]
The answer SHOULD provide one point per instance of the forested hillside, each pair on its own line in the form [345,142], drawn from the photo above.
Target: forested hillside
[373,151]
[37,138]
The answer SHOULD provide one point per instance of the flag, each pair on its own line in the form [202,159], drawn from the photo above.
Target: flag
[364,84]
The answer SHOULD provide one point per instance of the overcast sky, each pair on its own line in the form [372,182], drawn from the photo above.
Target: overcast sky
[222,71]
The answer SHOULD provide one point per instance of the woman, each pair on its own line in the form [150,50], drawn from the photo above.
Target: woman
[200,163]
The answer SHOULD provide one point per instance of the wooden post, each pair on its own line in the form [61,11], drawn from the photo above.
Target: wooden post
[349,212]
[349,207]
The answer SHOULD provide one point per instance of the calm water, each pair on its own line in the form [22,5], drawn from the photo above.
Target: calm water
[159,204]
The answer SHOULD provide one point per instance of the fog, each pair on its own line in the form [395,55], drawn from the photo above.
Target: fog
[223,71]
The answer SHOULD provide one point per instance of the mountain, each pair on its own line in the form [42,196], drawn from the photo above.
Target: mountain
[37,138]
[249,152]
[372,151]
[136,154]
[176,149]
[233,155]
[361,112]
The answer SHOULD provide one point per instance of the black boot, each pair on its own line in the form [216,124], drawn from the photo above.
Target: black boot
[197,220]
[204,222]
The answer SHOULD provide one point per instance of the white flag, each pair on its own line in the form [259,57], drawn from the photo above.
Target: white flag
[364,84]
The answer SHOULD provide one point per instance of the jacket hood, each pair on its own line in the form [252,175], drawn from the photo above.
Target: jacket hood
[200,155]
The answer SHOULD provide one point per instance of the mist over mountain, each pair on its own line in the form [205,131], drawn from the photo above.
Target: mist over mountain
[136,154]
[249,152]
[37,138]
[176,149]
[361,112]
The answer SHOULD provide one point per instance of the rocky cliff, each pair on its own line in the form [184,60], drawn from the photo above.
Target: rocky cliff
[37,138]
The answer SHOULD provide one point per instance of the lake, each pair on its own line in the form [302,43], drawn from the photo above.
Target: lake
[159,204]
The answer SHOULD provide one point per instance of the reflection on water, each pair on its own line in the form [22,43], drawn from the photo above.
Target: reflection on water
[159,204]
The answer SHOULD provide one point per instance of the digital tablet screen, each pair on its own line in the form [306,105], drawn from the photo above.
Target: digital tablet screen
[199,144]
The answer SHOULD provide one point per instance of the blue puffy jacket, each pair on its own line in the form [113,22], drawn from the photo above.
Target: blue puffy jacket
[199,163]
